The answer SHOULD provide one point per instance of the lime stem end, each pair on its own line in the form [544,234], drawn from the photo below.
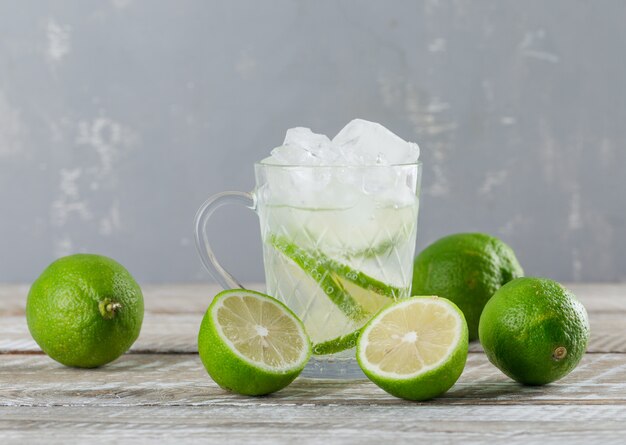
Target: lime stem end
[559,353]
[108,308]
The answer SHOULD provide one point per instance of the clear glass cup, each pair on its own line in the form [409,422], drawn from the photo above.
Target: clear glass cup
[338,245]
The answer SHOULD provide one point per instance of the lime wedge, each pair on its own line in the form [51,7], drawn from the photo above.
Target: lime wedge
[316,266]
[338,344]
[415,349]
[369,300]
[251,343]
[333,323]
[324,321]
[361,279]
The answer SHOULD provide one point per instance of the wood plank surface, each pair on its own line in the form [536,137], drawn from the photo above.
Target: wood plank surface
[177,333]
[173,314]
[169,398]
[180,379]
[305,424]
[161,393]
[194,298]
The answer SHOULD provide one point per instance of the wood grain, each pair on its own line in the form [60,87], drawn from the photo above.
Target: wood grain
[160,392]
[174,380]
[195,298]
[173,315]
[154,397]
[307,424]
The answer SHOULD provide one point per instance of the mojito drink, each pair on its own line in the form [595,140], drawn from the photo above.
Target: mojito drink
[338,223]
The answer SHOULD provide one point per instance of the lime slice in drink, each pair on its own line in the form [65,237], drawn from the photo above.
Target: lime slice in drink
[325,322]
[415,349]
[369,300]
[338,344]
[354,292]
[316,267]
[362,280]
[251,343]
[333,300]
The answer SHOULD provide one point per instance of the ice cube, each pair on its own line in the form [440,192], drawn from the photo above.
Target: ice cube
[290,155]
[297,182]
[318,148]
[368,143]
[305,138]
[344,169]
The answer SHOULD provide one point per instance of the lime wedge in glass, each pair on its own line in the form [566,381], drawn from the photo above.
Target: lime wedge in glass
[333,300]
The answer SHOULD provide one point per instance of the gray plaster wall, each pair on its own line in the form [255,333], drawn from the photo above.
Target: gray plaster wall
[118,118]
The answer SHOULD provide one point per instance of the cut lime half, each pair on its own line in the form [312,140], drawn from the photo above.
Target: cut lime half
[251,343]
[415,349]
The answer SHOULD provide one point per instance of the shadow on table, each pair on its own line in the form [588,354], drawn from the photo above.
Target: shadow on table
[491,392]
[364,392]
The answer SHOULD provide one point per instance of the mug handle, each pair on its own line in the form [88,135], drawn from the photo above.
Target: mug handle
[223,277]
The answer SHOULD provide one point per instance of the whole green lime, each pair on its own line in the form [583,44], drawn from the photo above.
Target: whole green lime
[534,330]
[84,310]
[467,269]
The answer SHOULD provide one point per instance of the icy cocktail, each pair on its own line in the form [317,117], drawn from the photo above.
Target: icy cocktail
[338,222]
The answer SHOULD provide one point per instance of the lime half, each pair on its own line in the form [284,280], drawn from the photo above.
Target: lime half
[415,349]
[251,343]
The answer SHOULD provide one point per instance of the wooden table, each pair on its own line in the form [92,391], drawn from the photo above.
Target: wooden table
[160,391]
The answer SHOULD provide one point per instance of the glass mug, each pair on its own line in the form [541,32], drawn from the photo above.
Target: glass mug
[338,245]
